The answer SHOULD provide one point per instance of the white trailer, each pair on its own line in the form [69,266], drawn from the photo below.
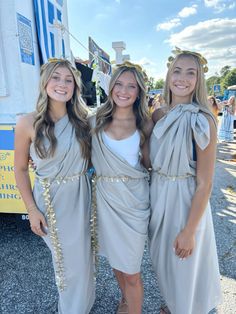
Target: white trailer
[31,31]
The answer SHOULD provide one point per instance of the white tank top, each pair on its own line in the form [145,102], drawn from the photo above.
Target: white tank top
[127,148]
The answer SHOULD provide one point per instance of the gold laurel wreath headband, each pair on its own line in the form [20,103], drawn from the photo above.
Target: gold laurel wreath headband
[55,60]
[58,60]
[178,51]
[131,65]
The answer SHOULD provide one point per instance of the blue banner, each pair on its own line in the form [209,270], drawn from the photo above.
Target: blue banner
[7,139]
[46,14]
[25,39]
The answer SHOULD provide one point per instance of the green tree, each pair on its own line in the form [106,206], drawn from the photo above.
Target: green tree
[159,84]
[229,79]
[225,70]
[210,82]
[150,83]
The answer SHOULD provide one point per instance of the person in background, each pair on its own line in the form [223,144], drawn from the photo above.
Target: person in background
[150,106]
[226,127]
[155,103]
[158,101]
[213,106]
[182,153]
[122,187]
[56,136]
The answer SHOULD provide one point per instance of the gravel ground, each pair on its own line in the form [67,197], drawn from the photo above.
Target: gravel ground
[26,275]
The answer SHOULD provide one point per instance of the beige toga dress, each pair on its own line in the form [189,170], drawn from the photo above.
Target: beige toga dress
[123,207]
[190,286]
[62,193]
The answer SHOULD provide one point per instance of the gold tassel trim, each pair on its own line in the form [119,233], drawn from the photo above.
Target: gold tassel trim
[52,226]
[93,223]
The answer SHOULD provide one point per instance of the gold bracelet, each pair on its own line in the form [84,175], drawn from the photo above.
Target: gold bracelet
[31,207]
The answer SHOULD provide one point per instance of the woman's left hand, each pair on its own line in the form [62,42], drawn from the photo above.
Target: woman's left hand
[184,244]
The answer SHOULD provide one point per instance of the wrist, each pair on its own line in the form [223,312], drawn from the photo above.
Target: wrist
[31,208]
[190,230]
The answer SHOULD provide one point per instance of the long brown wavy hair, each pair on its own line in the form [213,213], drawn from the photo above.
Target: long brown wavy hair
[105,112]
[76,110]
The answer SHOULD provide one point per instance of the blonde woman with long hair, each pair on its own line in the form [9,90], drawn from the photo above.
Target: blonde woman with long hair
[226,128]
[122,188]
[182,152]
[56,136]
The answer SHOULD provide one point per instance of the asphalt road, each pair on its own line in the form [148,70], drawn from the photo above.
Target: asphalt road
[26,275]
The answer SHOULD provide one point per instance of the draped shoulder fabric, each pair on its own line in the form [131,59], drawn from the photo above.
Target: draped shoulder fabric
[62,193]
[190,286]
[123,209]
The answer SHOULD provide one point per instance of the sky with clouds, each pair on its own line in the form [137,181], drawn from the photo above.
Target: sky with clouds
[152,28]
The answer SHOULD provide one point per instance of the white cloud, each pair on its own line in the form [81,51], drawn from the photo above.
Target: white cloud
[219,5]
[152,68]
[212,3]
[232,6]
[146,62]
[168,25]
[215,39]
[118,1]
[187,11]
[172,23]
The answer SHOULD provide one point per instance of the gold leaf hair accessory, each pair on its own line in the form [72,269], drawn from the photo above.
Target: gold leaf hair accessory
[131,65]
[58,60]
[55,60]
[178,51]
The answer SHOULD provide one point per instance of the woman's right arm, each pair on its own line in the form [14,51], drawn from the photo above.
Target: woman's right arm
[232,110]
[145,148]
[156,115]
[22,145]
[23,138]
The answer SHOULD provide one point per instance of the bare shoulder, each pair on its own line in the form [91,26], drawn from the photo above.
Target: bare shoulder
[26,120]
[159,113]
[25,125]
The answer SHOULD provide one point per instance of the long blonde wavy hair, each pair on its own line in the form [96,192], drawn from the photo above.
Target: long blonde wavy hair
[76,110]
[105,113]
[199,95]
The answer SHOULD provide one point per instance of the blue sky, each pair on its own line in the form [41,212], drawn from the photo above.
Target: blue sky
[152,28]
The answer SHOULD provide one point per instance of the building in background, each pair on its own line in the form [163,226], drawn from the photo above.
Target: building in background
[30,33]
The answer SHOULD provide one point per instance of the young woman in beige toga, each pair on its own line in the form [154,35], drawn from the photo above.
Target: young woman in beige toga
[122,187]
[56,136]
[182,152]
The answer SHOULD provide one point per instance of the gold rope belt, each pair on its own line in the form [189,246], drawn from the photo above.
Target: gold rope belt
[173,178]
[119,178]
[62,179]
[52,225]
